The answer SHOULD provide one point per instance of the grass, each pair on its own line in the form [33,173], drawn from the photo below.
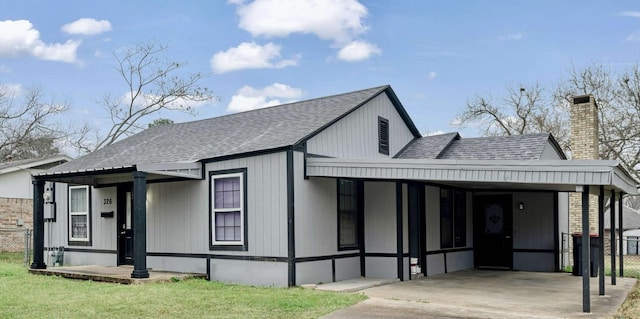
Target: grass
[23,295]
[631,306]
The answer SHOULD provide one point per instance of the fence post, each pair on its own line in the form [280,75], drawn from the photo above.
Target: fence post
[27,246]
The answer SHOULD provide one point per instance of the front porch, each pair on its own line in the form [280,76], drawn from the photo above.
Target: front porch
[119,275]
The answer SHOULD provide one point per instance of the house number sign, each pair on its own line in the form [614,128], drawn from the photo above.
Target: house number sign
[107,201]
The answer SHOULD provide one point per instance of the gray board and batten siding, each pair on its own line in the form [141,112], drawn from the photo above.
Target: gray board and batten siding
[356,135]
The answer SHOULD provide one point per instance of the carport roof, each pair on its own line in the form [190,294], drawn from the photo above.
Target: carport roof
[558,175]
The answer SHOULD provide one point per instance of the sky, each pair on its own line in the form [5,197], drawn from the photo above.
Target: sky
[435,54]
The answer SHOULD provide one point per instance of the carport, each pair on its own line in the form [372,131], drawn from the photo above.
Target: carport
[603,178]
[486,294]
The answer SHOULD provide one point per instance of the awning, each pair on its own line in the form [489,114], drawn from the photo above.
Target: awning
[110,175]
[559,175]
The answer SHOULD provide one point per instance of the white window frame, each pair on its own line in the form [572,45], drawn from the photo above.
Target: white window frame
[87,214]
[215,210]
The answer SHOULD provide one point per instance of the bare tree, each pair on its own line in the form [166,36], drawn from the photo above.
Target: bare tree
[533,109]
[152,84]
[522,110]
[27,126]
[617,96]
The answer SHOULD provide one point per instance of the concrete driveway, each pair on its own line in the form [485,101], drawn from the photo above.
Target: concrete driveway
[488,294]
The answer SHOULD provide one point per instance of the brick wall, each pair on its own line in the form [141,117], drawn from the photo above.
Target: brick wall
[12,210]
[584,146]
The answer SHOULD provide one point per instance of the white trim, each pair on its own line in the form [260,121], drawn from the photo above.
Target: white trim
[213,211]
[85,213]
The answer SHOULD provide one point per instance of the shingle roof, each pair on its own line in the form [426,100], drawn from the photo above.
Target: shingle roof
[38,163]
[428,147]
[512,147]
[262,129]
[452,146]
[630,218]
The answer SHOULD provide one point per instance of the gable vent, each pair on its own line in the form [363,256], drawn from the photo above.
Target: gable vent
[383,135]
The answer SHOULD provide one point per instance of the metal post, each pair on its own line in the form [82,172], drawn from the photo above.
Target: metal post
[601,241]
[621,227]
[586,260]
[27,246]
[140,225]
[612,229]
[38,225]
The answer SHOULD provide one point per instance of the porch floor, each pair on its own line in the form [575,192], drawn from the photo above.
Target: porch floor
[120,274]
[489,294]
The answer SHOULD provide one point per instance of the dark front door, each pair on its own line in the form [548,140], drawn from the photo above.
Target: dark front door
[125,224]
[493,219]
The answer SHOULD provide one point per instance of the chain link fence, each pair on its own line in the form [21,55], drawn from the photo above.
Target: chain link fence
[17,240]
[630,255]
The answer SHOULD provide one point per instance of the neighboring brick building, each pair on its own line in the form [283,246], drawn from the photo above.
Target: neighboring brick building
[16,193]
[15,217]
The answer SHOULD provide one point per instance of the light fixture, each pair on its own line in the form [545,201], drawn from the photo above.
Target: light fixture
[521,205]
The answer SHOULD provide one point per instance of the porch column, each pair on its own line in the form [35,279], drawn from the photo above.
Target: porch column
[399,234]
[601,241]
[612,229]
[140,225]
[586,294]
[621,227]
[38,224]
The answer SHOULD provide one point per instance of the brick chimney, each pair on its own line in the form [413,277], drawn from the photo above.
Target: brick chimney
[584,146]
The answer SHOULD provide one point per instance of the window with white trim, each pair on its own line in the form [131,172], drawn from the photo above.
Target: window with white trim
[228,212]
[79,215]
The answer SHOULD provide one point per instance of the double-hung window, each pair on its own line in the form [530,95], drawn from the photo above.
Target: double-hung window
[453,218]
[228,211]
[348,217]
[79,215]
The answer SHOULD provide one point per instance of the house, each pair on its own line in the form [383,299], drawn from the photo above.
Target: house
[16,198]
[321,190]
[630,232]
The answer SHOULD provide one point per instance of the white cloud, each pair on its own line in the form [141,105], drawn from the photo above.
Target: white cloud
[511,37]
[18,38]
[432,133]
[4,69]
[11,89]
[635,14]
[248,98]
[634,37]
[432,75]
[87,26]
[357,51]
[338,21]
[250,55]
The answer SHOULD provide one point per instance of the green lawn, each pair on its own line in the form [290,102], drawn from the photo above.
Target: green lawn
[23,295]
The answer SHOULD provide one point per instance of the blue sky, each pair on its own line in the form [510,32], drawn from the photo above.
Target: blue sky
[435,54]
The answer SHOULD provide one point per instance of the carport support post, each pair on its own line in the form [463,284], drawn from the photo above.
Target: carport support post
[140,225]
[612,229]
[586,297]
[38,224]
[601,241]
[621,228]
